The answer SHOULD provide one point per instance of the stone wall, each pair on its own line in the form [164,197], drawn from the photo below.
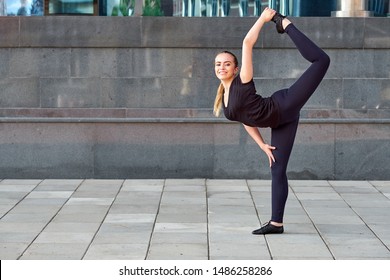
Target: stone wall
[102,97]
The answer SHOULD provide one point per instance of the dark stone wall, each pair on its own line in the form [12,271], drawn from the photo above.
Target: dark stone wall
[102,97]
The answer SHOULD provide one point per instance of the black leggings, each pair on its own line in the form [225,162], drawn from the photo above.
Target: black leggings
[290,102]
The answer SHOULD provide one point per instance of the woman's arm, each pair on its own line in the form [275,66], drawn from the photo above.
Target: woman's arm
[255,134]
[246,73]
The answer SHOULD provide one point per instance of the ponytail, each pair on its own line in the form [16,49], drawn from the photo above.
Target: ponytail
[218,100]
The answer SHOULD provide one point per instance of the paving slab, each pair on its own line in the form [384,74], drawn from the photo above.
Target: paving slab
[227,232]
[139,219]
[134,209]
[180,217]
[178,251]
[28,217]
[36,209]
[65,237]
[12,251]
[72,227]
[18,237]
[298,246]
[20,227]
[357,247]
[140,237]
[5,207]
[117,251]
[383,232]
[239,250]
[78,218]
[130,218]
[182,237]
[181,227]
[145,228]
[55,251]
[234,218]
[300,227]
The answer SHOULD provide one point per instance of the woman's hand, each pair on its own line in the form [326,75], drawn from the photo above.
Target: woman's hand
[268,151]
[267,14]
[255,134]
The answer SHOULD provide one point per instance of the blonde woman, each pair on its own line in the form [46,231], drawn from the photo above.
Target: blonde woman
[237,98]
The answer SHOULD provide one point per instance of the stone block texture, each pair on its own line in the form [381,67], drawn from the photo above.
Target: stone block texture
[106,97]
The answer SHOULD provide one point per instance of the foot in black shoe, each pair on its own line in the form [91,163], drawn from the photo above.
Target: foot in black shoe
[269,228]
[278,18]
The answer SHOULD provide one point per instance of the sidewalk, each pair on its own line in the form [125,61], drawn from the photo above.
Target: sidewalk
[191,219]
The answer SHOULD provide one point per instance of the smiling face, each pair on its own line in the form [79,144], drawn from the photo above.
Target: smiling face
[225,66]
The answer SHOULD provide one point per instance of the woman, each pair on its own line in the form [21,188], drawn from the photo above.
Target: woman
[237,97]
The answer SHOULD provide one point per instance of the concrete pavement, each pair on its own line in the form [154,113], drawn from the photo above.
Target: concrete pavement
[191,219]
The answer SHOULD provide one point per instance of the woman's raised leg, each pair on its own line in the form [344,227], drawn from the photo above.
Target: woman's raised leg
[298,94]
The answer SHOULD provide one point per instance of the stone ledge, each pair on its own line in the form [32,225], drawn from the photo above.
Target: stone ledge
[180,120]
[161,115]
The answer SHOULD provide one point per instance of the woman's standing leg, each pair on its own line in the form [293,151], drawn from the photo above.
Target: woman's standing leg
[282,138]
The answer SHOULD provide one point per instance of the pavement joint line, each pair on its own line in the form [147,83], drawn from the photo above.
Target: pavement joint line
[258,218]
[376,189]
[357,214]
[155,220]
[101,224]
[314,225]
[50,220]
[207,219]
[21,199]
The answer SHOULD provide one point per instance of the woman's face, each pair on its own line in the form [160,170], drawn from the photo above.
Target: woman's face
[225,67]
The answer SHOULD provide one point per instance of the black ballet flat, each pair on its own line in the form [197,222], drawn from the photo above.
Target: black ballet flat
[269,228]
[278,18]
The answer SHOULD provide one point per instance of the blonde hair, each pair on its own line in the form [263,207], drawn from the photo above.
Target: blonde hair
[218,100]
[221,89]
